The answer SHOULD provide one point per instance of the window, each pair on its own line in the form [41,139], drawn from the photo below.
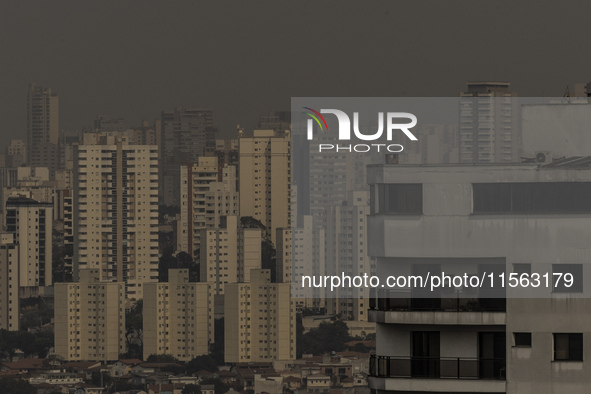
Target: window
[532,197]
[522,339]
[568,347]
[522,269]
[572,274]
[400,198]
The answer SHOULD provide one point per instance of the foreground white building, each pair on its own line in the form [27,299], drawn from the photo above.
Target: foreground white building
[476,219]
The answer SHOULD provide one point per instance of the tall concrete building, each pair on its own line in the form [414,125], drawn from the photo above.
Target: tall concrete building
[115,214]
[208,193]
[229,253]
[31,223]
[90,318]
[489,125]
[178,317]
[9,283]
[473,220]
[260,320]
[186,136]
[42,127]
[347,251]
[265,179]
[308,259]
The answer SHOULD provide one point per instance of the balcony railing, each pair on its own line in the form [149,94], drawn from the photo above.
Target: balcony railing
[437,368]
[385,300]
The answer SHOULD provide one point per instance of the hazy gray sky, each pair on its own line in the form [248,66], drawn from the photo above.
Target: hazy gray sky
[134,58]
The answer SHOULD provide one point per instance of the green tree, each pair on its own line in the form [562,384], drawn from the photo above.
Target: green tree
[328,337]
[199,363]
[134,324]
[250,222]
[191,389]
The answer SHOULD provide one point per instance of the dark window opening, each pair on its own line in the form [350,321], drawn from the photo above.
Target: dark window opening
[400,198]
[533,197]
[568,347]
[522,339]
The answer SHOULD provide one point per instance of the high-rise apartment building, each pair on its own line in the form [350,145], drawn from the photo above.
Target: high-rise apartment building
[489,129]
[42,127]
[265,179]
[472,220]
[31,223]
[186,136]
[260,320]
[9,283]
[229,253]
[178,317]
[208,193]
[90,318]
[115,214]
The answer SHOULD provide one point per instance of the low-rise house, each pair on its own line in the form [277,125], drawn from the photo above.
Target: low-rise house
[318,383]
[123,366]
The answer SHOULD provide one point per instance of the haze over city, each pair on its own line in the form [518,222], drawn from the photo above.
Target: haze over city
[134,59]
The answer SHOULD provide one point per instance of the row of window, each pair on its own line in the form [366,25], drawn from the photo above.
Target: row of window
[492,198]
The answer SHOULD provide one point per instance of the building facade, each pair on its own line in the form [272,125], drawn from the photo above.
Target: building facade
[42,127]
[90,318]
[512,219]
[178,317]
[115,216]
[265,179]
[207,193]
[9,283]
[260,320]
[489,122]
[31,223]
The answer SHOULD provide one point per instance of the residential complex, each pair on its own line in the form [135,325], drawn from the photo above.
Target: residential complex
[178,317]
[90,318]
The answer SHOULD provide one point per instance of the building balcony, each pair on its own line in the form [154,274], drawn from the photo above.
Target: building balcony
[445,310]
[441,374]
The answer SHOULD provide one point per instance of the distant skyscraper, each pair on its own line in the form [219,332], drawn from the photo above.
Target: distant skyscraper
[90,318]
[178,317]
[489,126]
[31,222]
[16,153]
[265,179]
[260,320]
[42,127]
[187,134]
[115,214]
